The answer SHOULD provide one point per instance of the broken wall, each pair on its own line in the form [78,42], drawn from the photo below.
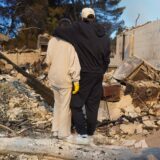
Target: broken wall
[23,58]
[142,41]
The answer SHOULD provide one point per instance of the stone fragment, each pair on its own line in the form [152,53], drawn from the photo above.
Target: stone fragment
[139,128]
[158,122]
[145,132]
[130,111]
[137,110]
[158,112]
[115,113]
[151,111]
[149,123]
[100,139]
[129,108]
[145,118]
[128,128]
[114,130]
[156,106]
[141,144]
[128,143]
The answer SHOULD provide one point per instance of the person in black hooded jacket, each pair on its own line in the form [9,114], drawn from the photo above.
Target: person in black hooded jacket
[92,47]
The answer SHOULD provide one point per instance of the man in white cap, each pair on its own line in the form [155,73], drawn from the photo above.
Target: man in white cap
[92,46]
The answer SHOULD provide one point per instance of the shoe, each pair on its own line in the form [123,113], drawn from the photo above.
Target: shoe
[82,139]
[78,139]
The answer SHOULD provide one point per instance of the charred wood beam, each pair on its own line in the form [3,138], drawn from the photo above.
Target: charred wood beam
[120,120]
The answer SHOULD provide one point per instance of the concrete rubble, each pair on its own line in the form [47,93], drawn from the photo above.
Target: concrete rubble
[21,108]
[125,118]
[137,114]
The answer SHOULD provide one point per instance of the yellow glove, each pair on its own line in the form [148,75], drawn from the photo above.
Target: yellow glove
[76,87]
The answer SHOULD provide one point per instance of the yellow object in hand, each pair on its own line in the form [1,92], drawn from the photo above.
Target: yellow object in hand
[76,87]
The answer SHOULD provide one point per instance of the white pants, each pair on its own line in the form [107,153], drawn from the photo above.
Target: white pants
[62,112]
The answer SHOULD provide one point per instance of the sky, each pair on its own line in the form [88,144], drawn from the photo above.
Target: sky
[149,10]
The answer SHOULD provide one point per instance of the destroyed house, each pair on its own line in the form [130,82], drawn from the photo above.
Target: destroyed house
[142,42]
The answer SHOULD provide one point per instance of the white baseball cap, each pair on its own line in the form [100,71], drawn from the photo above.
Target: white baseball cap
[87,11]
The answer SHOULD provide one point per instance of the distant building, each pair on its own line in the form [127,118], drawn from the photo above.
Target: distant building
[142,41]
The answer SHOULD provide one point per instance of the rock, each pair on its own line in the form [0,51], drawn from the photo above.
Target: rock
[145,118]
[145,132]
[114,130]
[158,122]
[125,101]
[156,106]
[128,143]
[130,111]
[151,112]
[139,128]
[149,123]
[21,77]
[129,108]
[116,108]
[117,137]
[128,128]
[158,112]
[137,110]
[100,139]
[115,113]
[133,114]
[141,144]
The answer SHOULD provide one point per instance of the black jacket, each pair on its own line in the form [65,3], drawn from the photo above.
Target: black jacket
[91,44]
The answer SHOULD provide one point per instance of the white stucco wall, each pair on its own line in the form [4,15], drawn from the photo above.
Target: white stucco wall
[143,42]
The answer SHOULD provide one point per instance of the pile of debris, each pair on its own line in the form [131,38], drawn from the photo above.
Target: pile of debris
[22,110]
[129,110]
[137,113]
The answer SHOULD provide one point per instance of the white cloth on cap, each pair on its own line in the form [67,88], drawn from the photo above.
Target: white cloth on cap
[87,11]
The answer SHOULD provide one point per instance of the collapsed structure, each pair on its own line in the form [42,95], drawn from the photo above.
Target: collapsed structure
[130,107]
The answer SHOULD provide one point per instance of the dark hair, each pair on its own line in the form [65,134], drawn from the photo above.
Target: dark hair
[90,18]
[64,22]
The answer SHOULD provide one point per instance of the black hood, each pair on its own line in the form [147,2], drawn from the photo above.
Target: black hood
[91,44]
[90,29]
[99,30]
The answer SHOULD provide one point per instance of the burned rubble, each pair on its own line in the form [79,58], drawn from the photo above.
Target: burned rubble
[22,110]
[129,110]
[136,114]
